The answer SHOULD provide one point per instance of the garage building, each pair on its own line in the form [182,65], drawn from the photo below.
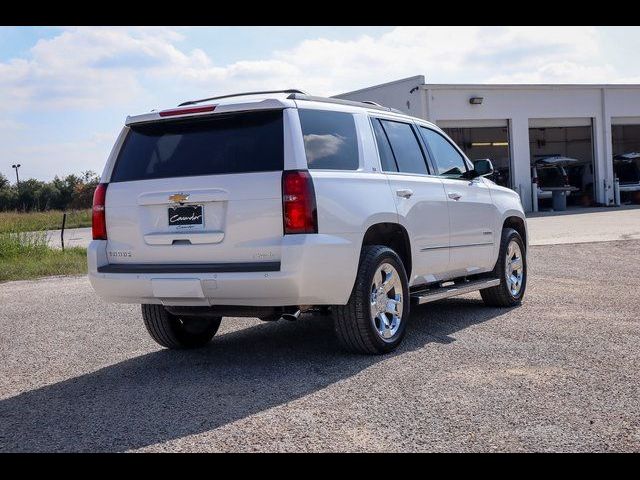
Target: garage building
[572,137]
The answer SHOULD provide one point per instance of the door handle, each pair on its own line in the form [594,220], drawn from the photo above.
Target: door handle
[454,196]
[405,193]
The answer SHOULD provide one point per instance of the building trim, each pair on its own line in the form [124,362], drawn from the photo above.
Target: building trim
[527,86]
[418,78]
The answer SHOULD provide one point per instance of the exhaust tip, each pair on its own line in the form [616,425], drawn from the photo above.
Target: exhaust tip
[291,317]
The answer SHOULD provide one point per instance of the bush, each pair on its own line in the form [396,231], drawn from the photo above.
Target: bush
[25,255]
[17,244]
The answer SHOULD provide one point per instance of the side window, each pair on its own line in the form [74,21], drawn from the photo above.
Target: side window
[448,161]
[405,146]
[330,140]
[384,149]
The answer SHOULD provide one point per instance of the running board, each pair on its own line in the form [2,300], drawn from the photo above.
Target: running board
[438,293]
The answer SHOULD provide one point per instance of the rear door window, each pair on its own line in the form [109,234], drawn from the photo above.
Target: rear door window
[330,139]
[387,160]
[405,147]
[219,144]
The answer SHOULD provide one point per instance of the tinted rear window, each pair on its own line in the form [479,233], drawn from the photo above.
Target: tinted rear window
[329,139]
[235,143]
[627,171]
[551,177]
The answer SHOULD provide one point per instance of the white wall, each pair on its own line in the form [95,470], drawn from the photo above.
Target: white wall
[557,105]
[395,95]
[518,105]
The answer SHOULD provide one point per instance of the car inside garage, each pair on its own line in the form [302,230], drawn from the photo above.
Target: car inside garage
[625,140]
[490,142]
[561,156]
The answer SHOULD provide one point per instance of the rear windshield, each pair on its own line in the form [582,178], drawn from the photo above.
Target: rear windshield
[551,177]
[627,171]
[234,143]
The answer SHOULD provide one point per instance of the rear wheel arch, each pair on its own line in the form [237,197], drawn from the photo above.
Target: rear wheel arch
[363,323]
[394,236]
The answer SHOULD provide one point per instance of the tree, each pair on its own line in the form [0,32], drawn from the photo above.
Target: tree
[29,194]
[8,195]
[72,191]
[83,192]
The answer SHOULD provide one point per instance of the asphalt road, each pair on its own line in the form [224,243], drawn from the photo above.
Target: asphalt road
[559,373]
[73,237]
[584,225]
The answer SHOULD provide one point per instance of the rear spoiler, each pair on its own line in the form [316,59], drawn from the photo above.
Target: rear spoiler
[212,109]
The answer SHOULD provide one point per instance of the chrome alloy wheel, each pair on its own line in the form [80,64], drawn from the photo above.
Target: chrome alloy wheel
[386,301]
[514,268]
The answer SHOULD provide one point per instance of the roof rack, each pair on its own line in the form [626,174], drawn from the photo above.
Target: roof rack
[339,101]
[263,92]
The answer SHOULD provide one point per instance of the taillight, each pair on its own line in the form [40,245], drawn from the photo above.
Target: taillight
[298,202]
[98,221]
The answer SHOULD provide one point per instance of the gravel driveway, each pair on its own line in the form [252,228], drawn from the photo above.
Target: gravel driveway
[559,373]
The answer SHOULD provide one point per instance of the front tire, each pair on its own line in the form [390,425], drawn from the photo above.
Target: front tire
[175,332]
[511,269]
[374,320]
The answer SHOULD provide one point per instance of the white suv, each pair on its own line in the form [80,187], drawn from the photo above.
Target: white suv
[275,203]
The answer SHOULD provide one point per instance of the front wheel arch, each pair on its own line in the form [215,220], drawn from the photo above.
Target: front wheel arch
[501,295]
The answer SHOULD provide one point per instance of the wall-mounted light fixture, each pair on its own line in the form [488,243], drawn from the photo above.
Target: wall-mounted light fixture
[476,100]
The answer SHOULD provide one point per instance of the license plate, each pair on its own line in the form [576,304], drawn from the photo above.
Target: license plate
[186,217]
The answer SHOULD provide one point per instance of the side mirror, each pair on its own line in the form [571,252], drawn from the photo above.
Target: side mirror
[482,168]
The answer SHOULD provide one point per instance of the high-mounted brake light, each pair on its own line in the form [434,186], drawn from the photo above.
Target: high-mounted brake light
[98,220]
[187,110]
[298,202]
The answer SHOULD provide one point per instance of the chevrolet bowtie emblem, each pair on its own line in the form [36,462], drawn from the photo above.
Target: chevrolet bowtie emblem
[179,197]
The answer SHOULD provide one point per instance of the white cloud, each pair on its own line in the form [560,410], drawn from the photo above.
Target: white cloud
[322,146]
[97,67]
[129,70]
[91,67]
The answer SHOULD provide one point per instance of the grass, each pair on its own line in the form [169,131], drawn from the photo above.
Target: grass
[11,222]
[26,255]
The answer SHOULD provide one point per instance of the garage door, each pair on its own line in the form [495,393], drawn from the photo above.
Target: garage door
[562,161]
[625,139]
[489,139]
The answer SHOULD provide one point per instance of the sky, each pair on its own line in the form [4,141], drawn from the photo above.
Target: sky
[65,92]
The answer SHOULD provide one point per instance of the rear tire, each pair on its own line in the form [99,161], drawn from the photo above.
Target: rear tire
[381,288]
[512,283]
[175,332]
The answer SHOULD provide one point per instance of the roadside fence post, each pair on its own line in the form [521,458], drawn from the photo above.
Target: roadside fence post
[64,220]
